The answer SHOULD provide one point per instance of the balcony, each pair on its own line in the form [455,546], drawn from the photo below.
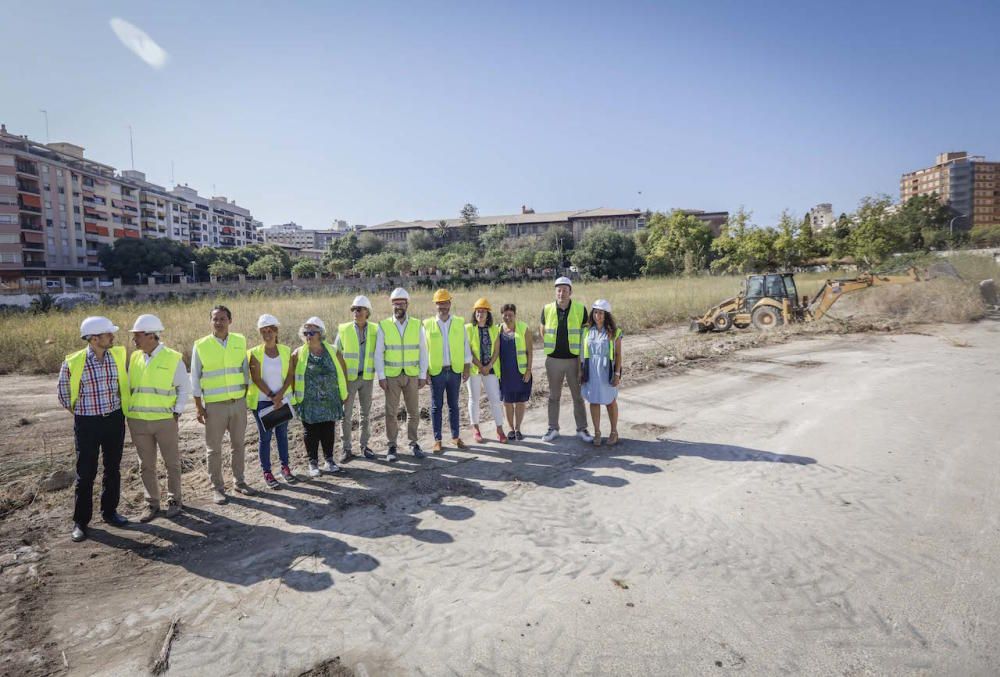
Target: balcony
[34,263]
[26,187]
[29,222]
[28,168]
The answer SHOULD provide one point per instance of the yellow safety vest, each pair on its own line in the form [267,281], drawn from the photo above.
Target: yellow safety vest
[351,350]
[75,362]
[472,330]
[402,354]
[302,359]
[284,352]
[586,347]
[153,392]
[435,345]
[222,376]
[520,329]
[573,321]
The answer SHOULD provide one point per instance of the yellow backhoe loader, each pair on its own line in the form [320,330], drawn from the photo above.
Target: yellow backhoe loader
[769,300]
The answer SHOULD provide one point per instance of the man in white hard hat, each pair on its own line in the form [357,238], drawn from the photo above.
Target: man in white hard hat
[93,386]
[401,368]
[220,374]
[561,330]
[356,342]
[160,389]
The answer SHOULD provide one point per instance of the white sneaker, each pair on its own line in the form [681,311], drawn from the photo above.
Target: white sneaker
[330,466]
[551,435]
[313,469]
[585,436]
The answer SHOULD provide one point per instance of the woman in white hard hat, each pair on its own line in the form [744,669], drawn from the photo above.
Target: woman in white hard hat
[601,368]
[269,368]
[320,388]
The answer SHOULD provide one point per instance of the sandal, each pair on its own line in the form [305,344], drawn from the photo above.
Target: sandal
[597,438]
[478,437]
[613,438]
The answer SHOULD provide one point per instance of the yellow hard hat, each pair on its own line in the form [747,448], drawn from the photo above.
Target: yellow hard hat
[482,304]
[441,295]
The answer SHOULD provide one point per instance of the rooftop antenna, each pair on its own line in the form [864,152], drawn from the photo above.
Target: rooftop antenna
[131,147]
[46,114]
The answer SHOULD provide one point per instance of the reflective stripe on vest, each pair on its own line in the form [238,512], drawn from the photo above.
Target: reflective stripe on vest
[574,320]
[284,352]
[76,361]
[302,359]
[222,377]
[435,345]
[402,354]
[153,392]
[351,350]
[472,331]
[611,355]
[520,329]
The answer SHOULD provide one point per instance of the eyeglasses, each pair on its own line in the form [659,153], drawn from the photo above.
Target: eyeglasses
[310,333]
[358,310]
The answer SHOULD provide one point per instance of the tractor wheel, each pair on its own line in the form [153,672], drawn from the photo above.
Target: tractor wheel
[722,322]
[697,327]
[766,318]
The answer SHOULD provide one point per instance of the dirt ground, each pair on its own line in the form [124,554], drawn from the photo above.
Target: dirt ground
[825,504]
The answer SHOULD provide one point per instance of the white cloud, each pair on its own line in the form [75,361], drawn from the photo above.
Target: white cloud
[139,43]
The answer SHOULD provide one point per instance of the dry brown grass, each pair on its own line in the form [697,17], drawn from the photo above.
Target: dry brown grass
[939,300]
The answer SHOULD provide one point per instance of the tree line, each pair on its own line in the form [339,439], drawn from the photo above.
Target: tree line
[673,243]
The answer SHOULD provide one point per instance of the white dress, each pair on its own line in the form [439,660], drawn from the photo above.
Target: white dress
[598,388]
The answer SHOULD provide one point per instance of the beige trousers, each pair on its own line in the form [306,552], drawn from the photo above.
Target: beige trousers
[407,385]
[222,417]
[362,390]
[557,369]
[147,436]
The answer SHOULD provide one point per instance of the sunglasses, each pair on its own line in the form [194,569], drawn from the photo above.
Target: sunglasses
[310,333]
[357,310]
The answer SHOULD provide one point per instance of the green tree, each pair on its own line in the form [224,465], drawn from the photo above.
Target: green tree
[224,269]
[468,218]
[336,266]
[786,242]
[424,260]
[419,241]
[875,234]
[607,252]
[807,244]
[676,243]
[305,268]
[493,237]
[343,248]
[264,265]
[729,246]
[985,236]
[132,258]
[923,220]
[546,259]
[370,243]
[558,238]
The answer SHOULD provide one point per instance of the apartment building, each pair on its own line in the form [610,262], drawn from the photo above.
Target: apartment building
[293,234]
[968,183]
[58,207]
[821,217]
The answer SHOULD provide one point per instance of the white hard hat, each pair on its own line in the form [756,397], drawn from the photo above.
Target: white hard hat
[564,280]
[601,304]
[362,302]
[147,323]
[316,322]
[266,320]
[399,293]
[92,326]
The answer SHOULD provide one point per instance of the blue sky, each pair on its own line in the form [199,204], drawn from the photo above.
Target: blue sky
[374,111]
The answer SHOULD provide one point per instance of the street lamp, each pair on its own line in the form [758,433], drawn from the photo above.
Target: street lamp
[951,224]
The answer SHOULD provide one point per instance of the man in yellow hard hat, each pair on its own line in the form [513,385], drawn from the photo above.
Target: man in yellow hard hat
[401,369]
[448,361]
[93,386]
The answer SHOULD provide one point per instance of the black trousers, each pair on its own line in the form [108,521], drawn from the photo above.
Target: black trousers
[96,434]
[316,434]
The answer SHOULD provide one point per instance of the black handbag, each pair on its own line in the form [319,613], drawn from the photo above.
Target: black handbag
[272,417]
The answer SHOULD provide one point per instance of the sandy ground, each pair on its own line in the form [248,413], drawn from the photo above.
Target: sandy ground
[825,506]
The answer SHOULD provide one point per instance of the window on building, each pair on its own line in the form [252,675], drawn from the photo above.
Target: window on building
[10,257]
[6,180]
[9,238]
[8,218]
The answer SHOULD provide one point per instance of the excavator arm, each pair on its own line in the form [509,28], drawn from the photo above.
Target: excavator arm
[834,289]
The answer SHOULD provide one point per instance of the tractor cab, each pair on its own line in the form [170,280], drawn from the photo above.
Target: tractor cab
[775,286]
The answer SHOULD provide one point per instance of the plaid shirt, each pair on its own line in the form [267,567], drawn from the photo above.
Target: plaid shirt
[99,392]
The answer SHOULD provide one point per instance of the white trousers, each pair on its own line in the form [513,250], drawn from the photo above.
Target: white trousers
[476,383]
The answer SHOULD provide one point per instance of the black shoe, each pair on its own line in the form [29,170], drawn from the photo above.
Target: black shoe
[417,451]
[369,454]
[390,455]
[116,520]
[79,533]
[511,436]
[519,436]
[348,455]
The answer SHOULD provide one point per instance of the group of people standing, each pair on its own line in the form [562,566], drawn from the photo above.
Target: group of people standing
[318,383]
